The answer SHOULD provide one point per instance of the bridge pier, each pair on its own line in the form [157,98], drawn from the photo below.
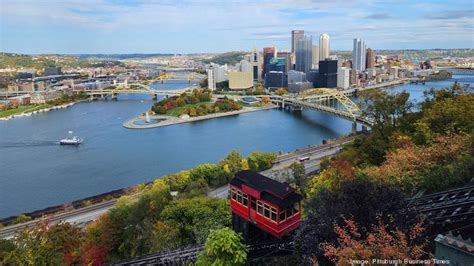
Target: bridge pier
[354,128]
[114,96]
[155,97]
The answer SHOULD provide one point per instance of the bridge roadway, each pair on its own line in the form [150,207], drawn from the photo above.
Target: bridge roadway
[85,215]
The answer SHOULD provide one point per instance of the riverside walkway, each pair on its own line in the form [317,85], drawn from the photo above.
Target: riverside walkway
[172,120]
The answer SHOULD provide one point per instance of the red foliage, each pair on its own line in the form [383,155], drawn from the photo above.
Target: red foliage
[94,254]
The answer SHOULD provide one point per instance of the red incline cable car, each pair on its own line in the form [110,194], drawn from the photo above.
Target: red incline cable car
[272,206]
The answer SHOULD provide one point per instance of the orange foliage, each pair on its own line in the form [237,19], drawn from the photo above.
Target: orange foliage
[404,166]
[332,177]
[381,243]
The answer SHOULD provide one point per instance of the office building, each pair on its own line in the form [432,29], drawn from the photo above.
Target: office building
[275,80]
[315,57]
[296,76]
[52,71]
[277,64]
[370,58]
[313,77]
[343,78]
[240,80]
[244,66]
[295,36]
[324,46]
[358,55]
[304,54]
[327,74]
[353,79]
[268,54]
[287,56]
[256,61]
[297,87]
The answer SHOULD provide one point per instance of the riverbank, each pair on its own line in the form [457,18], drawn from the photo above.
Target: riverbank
[171,120]
[33,110]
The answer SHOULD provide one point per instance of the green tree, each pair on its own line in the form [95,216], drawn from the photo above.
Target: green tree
[212,173]
[232,163]
[299,176]
[223,247]
[260,161]
[194,218]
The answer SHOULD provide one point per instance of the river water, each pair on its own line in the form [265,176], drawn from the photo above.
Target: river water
[36,172]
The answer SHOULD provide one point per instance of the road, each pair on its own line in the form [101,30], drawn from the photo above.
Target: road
[79,217]
[87,214]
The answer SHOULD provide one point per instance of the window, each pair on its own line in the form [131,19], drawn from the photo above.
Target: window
[239,197]
[296,208]
[244,200]
[273,214]
[253,205]
[260,207]
[233,194]
[289,212]
[282,215]
[266,211]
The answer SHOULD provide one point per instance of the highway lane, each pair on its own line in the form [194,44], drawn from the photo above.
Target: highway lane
[79,217]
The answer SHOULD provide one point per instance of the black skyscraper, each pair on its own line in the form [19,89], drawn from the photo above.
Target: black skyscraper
[327,74]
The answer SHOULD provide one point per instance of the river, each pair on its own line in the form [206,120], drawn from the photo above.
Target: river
[36,172]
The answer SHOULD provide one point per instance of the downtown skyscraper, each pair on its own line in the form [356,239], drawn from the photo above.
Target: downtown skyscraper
[304,54]
[295,36]
[358,55]
[324,46]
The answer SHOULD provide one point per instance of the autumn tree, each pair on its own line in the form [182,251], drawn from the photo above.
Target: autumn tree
[380,242]
[281,91]
[223,247]
[260,161]
[363,201]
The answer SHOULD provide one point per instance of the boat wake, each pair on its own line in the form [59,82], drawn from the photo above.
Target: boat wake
[33,143]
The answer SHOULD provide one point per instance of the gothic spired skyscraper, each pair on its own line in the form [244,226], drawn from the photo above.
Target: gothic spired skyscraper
[324,46]
[295,36]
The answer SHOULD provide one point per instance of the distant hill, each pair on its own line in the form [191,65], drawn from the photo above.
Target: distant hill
[120,56]
[230,58]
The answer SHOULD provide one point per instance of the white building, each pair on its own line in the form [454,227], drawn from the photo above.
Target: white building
[324,46]
[315,57]
[256,60]
[244,66]
[211,78]
[343,77]
[358,55]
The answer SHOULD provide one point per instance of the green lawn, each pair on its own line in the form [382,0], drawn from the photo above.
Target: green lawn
[23,109]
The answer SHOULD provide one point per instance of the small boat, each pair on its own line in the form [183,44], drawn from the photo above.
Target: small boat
[71,141]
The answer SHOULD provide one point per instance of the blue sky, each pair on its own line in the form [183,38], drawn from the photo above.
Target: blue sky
[189,26]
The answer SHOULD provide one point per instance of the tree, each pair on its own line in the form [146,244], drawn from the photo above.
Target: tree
[22,218]
[363,202]
[223,247]
[299,176]
[381,242]
[232,163]
[194,217]
[212,173]
[266,100]
[46,245]
[260,161]
[281,91]
[331,178]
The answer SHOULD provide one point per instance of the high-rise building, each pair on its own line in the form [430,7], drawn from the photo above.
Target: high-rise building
[275,80]
[295,36]
[296,76]
[315,57]
[240,80]
[268,54]
[277,64]
[324,46]
[287,56]
[211,78]
[358,55]
[244,66]
[343,78]
[304,54]
[370,58]
[256,61]
[327,73]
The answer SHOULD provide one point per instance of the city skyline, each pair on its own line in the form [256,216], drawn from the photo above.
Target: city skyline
[109,26]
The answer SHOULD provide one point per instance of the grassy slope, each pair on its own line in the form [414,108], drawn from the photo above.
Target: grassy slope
[23,109]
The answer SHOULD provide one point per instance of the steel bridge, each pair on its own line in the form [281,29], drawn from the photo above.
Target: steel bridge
[330,101]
